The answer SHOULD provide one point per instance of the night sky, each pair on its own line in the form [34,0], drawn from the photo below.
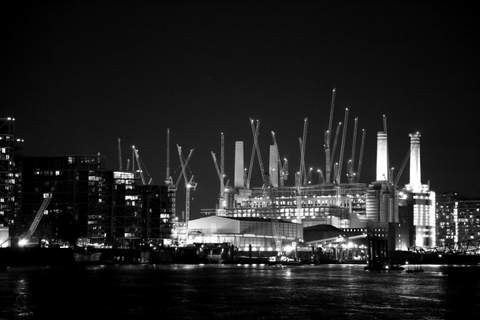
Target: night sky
[80,75]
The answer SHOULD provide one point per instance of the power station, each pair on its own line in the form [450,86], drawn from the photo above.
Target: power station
[405,215]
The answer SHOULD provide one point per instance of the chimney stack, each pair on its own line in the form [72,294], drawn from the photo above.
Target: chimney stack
[239,181]
[273,165]
[382,156]
[415,168]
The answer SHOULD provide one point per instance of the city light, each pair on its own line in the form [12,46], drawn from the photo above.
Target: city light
[22,242]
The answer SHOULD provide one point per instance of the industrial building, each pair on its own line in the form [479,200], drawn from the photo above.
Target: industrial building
[404,215]
[256,234]
[457,221]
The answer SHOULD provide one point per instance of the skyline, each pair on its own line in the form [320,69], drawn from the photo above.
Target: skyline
[75,86]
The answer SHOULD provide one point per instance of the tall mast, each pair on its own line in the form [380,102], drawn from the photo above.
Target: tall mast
[167,167]
[119,142]
[342,147]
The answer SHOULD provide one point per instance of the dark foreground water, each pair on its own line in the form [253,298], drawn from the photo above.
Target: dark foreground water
[237,292]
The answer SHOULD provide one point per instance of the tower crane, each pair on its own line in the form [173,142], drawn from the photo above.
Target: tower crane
[141,166]
[350,164]
[189,184]
[334,149]
[25,237]
[303,173]
[255,126]
[252,155]
[342,147]
[282,165]
[360,156]
[168,177]
[221,180]
[328,138]
[119,144]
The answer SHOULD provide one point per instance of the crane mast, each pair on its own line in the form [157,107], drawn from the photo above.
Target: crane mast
[189,184]
[303,173]
[342,147]
[119,145]
[351,171]
[137,158]
[360,156]
[334,149]
[252,157]
[328,133]
[255,131]
[24,238]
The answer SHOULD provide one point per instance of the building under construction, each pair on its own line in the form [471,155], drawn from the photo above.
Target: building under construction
[338,198]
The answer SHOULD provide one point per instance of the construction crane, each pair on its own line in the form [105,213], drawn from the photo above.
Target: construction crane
[328,133]
[252,156]
[189,184]
[168,177]
[334,149]
[402,168]
[303,173]
[255,126]
[141,167]
[119,145]
[360,156]
[221,178]
[282,165]
[25,237]
[342,147]
[351,169]
[137,159]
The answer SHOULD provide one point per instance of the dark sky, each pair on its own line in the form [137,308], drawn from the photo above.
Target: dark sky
[80,75]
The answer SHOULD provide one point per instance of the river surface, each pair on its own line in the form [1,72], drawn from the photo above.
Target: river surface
[238,292]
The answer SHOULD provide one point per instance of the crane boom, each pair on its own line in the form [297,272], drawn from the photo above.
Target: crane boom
[281,166]
[252,159]
[36,220]
[303,172]
[342,147]
[119,144]
[167,164]
[354,144]
[360,156]
[137,158]
[186,162]
[402,168]
[326,145]
[255,132]
[219,174]
[335,144]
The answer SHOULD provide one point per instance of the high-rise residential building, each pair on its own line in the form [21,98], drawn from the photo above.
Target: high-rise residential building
[458,221]
[91,205]
[79,192]
[9,146]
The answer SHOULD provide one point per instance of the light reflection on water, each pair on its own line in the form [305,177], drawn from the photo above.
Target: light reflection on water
[238,291]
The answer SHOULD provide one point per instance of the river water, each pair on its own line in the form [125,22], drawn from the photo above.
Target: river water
[238,292]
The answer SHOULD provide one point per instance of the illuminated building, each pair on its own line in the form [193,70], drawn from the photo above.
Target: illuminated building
[260,234]
[9,176]
[314,204]
[90,204]
[422,199]
[458,221]
[80,196]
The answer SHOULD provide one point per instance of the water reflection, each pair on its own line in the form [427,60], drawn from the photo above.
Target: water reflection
[22,305]
[238,291]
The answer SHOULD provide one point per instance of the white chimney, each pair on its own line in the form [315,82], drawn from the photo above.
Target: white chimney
[415,168]
[239,181]
[382,156]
